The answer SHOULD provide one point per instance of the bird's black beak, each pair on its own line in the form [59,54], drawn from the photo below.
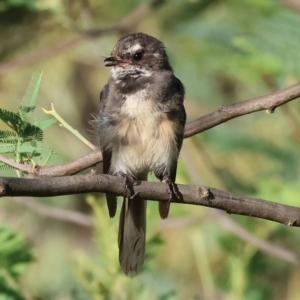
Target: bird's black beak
[110,61]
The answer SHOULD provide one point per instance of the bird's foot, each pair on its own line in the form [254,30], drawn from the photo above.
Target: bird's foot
[136,194]
[171,190]
[128,180]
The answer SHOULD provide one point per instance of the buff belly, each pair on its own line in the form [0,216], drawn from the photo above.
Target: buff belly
[144,139]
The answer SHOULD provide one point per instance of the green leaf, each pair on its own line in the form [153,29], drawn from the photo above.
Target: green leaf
[49,157]
[32,132]
[46,123]
[5,167]
[28,103]
[23,112]
[13,120]
[13,249]
[26,137]
[7,148]
[14,257]
[30,98]
[7,135]
[8,139]
[26,149]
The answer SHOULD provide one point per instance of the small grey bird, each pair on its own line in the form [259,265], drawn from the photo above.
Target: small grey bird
[141,125]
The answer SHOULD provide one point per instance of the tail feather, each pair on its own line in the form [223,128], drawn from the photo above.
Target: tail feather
[111,201]
[163,208]
[132,235]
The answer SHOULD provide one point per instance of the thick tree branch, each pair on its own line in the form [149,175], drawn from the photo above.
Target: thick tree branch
[196,195]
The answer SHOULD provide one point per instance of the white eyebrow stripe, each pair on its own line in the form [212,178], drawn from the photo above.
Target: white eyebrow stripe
[134,48]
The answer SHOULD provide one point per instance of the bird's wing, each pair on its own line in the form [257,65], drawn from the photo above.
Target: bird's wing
[179,112]
[111,199]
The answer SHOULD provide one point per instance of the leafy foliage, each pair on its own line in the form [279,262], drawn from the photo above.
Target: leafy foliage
[14,257]
[23,143]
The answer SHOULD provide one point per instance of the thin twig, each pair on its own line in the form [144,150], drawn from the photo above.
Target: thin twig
[235,228]
[267,247]
[225,113]
[15,164]
[55,213]
[71,168]
[63,123]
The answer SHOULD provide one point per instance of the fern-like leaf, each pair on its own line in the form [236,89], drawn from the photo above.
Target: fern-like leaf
[24,112]
[26,149]
[48,157]
[46,123]
[32,132]
[4,134]
[15,255]
[8,137]
[24,142]
[5,167]
[7,148]
[30,98]
[13,120]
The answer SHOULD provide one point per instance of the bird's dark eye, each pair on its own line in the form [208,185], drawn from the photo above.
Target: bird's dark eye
[138,56]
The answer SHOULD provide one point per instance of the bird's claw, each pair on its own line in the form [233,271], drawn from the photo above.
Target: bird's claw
[134,195]
[171,190]
[128,180]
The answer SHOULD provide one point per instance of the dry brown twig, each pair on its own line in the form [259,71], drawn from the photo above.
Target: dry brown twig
[236,229]
[65,215]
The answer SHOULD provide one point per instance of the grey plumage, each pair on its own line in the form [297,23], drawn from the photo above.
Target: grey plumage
[141,125]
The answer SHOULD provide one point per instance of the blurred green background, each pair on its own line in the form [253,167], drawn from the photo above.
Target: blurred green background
[224,52]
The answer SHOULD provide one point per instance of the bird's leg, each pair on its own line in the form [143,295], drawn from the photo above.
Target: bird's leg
[128,181]
[136,194]
[171,190]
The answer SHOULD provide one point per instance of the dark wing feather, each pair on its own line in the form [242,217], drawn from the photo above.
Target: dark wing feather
[179,115]
[111,199]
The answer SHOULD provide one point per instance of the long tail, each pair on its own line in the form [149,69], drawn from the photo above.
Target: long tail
[132,235]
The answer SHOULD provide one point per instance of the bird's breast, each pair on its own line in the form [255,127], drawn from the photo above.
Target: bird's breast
[144,138]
